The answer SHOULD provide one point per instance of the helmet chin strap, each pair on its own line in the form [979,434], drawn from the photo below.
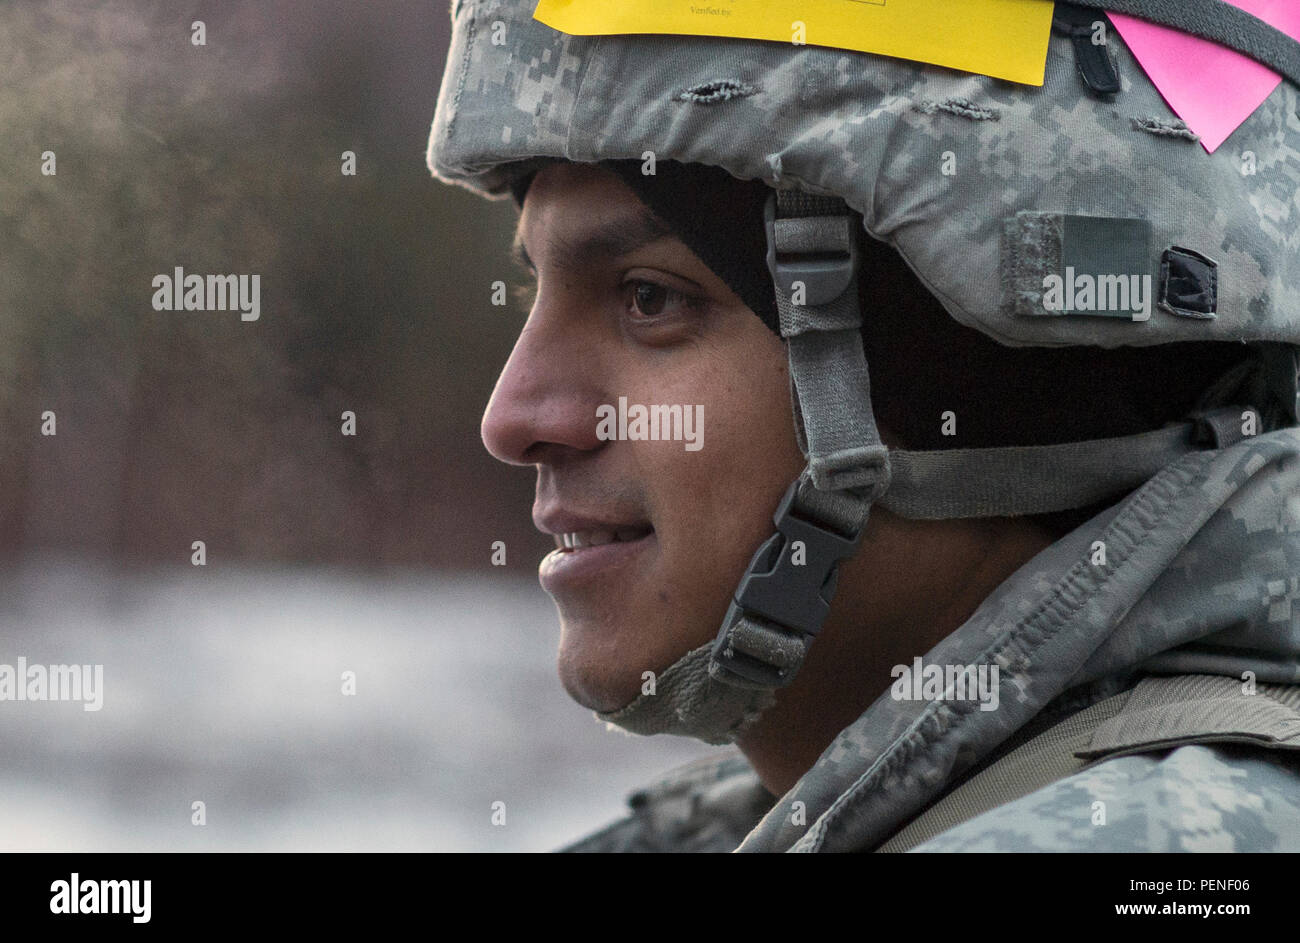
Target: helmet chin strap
[715,692]
[688,702]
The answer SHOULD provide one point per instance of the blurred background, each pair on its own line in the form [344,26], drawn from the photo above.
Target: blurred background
[325,553]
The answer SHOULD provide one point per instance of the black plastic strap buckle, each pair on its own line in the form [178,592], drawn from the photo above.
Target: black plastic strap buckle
[826,271]
[794,597]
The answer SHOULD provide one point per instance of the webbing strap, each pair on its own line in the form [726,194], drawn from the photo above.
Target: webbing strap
[1219,22]
[1159,713]
[687,702]
[782,601]
[1038,762]
[812,251]
[1040,479]
[784,596]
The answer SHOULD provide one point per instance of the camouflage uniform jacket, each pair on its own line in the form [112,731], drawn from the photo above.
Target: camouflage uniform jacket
[1196,575]
[1157,644]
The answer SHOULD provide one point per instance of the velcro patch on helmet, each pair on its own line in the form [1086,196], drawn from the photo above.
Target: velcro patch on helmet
[1189,283]
[1056,264]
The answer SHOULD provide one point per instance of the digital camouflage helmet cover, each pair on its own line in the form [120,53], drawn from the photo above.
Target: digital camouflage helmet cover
[1090,173]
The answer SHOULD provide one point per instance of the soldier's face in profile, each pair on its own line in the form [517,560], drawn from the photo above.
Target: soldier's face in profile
[654,520]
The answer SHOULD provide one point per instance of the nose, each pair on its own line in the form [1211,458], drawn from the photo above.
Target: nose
[545,399]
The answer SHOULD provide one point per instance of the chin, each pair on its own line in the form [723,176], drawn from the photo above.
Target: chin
[599,663]
[596,684]
[601,658]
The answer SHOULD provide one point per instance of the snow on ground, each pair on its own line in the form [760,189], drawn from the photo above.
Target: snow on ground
[225,685]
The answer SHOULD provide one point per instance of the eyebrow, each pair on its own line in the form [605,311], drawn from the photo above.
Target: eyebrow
[612,239]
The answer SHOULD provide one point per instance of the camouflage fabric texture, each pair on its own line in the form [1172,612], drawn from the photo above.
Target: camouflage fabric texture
[1200,577]
[1220,798]
[1201,569]
[1217,798]
[706,806]
[876,131]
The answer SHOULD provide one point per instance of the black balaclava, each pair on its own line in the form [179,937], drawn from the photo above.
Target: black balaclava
[922,361]
[717,216]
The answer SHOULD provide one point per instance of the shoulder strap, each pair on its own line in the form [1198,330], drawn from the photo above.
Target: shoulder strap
[1158,714]
[1031,766]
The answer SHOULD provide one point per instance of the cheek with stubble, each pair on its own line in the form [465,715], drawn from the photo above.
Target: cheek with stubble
[711,510]
[607,640]
[652,607]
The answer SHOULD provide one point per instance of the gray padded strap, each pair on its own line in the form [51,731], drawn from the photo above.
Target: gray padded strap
[1159,713]
[842,511]
[688,702]
[1039,761]
[781,602]
[1039,479]
[1219,22]
[828,370]
[768,644]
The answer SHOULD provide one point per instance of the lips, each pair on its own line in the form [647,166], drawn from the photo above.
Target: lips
[573,530]
[597,537]
[590,549]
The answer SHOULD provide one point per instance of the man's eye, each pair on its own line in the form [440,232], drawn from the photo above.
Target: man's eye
[651,300]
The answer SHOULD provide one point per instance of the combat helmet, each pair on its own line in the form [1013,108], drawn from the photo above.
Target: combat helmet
[1091,173]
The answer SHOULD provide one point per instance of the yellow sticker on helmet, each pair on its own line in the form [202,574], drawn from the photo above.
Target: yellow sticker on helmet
[1006,39]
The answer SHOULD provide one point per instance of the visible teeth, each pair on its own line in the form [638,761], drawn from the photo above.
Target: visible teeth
[595,538]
